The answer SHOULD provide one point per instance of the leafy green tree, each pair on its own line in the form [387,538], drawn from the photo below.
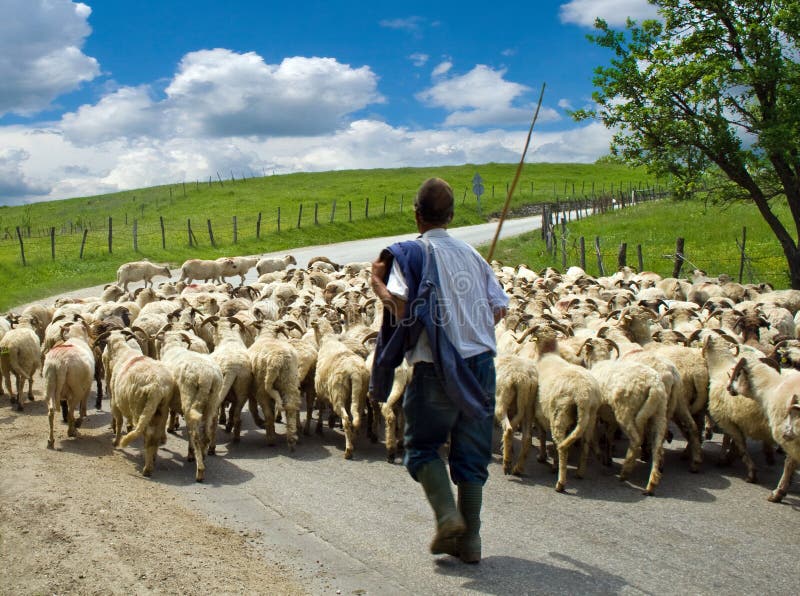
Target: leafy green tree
[710,94]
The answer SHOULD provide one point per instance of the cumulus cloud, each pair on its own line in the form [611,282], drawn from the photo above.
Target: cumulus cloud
[128,112]
[614,12]
[14,184]
[481,97]
[40,53]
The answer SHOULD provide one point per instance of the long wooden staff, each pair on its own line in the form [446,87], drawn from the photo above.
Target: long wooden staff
[516,178]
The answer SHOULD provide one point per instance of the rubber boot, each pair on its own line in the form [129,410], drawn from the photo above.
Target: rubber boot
[470,498]
[449,524]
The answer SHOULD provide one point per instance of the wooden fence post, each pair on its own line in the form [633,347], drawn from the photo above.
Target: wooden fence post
[401,203]
[163,237]
[110,234]
[83,241]
[258,226]
[279,219]
[622,255]
[135,235]
[235,230]
[333,210]
[563,244]
[676,270]
[384,204]
[366,209]
[350,210]
[211,234]
[299,215]
[316,211]
[639,257]
[582,246]
[742,247]
[189,231]
[599,256]
[53,243]
[21,247]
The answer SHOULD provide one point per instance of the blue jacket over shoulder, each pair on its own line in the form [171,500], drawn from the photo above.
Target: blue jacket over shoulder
[423,311]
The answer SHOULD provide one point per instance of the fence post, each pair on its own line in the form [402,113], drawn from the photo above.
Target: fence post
[235,230]
[279,219]
[258,226]
[211,234]
[333,210]
[599,256]
[639,257]
[582,247]
[163,237]
[742,246]
[401,203]
[21,247]
[189,231]
[110,234]
[366,209]
[135,235]
[622,255]
[299,215]
[384,204]
[316,211]
[83,241]
[563,244]
[350,210]
[53,243]
[676,270]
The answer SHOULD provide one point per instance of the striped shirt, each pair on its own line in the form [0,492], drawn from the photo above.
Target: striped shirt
[470,295]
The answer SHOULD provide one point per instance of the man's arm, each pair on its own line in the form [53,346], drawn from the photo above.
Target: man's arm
[394,304]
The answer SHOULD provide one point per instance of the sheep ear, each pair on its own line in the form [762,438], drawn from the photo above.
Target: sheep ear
[794,404]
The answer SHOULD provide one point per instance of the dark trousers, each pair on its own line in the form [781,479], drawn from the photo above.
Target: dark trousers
[431,417]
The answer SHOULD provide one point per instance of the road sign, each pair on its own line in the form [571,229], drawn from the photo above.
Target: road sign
[477,185]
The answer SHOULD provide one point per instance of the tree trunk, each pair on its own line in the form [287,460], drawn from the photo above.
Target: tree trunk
[793,259]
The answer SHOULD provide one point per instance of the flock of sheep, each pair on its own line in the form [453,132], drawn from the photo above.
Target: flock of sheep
[581,361]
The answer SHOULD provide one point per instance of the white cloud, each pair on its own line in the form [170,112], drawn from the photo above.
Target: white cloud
[614,12]
[419,59]
[127,112]
[14,183]
[40,53]
[565,104]
[482,97]
[509,52]
[408,24]
[441,69]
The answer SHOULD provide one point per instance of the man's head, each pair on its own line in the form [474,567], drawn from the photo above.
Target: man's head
[433,204]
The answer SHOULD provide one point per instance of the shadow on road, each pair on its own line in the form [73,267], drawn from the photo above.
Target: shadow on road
[495,574]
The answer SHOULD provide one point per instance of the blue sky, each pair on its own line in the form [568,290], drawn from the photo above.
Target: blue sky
[108,95]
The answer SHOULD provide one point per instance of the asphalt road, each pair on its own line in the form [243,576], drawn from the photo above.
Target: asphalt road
[363,526]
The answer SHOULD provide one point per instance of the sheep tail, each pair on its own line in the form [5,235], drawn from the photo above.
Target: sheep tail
[585,419]
[193,416]
[144,419]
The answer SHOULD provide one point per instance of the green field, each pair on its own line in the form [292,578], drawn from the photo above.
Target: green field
[710,232]
[388,192]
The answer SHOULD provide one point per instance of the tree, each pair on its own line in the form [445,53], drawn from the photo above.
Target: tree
[711,93]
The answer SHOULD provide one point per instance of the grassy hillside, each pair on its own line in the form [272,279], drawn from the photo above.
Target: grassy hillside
[710,232]
[368,203]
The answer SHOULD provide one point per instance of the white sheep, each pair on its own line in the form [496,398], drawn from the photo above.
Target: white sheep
[20,353]
[140,390]
[273,264]
[202,269]
[341,379]
[777,395]
[515,404]
[567,403]
[198,381]
[140,271]
[737,418]
[634,398]
[237,266]
[68,371]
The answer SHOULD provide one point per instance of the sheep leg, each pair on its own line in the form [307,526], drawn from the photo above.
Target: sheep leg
[152,439]
[196,450]
[252,404]
[71,426]
[268,402]
[586,443]
[768,447]
[684,420]
[387,411]
[508,443]
[320,409]
[211,433]
[30,388]
[726,454]
[348,432]
[372,420]
[116,424]
[527,441]
[658,432]
[98,379]
[308,390]
[738,438]
[20,388]
[789,466]
[634,449]
[51,412]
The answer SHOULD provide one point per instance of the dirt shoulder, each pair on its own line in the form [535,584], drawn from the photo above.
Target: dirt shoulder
[81,519]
